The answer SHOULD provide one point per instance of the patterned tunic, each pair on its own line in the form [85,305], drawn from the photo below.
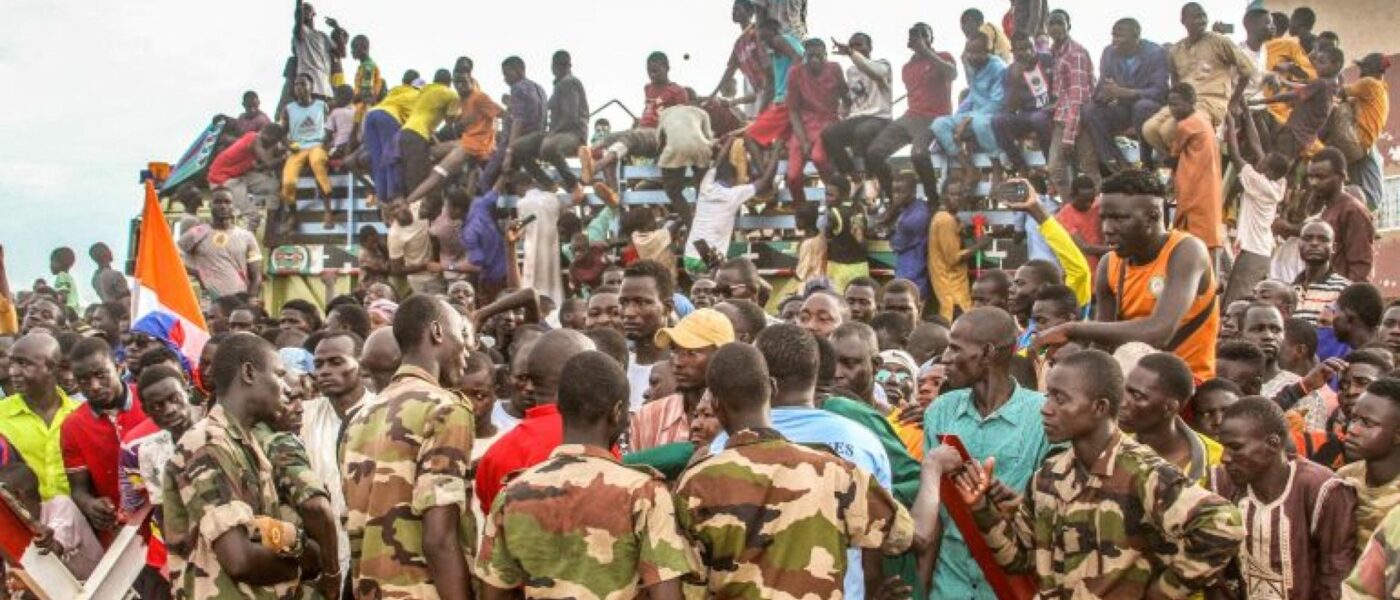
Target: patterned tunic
[580,525]
[773,519]
[1128,526]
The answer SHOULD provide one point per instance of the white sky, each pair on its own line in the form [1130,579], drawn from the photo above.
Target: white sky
[99,89]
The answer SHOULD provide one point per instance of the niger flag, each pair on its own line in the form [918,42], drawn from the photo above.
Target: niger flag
[162,285]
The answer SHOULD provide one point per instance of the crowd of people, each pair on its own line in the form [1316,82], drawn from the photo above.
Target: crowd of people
[1189,389]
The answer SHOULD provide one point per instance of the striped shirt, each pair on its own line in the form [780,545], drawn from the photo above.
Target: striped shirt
[1314,297]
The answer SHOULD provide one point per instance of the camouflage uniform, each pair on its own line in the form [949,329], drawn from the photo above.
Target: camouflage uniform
[292,475]
[773,519]
[1131,526]
[405,453]
[1377,573]
[218,479]
[580,525]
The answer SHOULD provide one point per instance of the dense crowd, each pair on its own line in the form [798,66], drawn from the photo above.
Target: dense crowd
[1188,390]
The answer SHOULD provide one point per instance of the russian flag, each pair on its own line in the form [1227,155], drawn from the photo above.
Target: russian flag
[162,285]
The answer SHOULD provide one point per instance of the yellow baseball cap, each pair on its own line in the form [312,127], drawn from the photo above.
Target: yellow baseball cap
[700,329]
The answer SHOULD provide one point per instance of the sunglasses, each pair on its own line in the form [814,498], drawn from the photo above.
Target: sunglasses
[896,376]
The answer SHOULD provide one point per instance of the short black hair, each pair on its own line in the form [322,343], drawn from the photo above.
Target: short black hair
[64,255]
[861,36]
[660,58]
[1334,53]
[996,276]
[1299,331]
[413,318]
[478,362]
[88,347]
[610,342]
[562,57]
[1062,14]
[357,342]
[814,43]
[1132,24]
[513,62]
[1263,411]
[1045,271]
[738,377]
[745,267]
[591,385]
[159,356]
[1333,157]
[894,322]
[1100,371]
[239,349]
[1173,374]
[1134,182]
[751,313]
[1365,301]
[1061,296]
[1376,357]
[1242,351]
[1185,90]
[791,354]
[156,374]
[307,309]
[864,281]
[659,273]
[1216,384]
[1386,387]
[1305,16]
[972,15]
[409,76]
[900,285]
[355,317]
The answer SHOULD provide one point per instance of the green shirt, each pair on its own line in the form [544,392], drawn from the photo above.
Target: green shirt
[64,283]
[904,470]
[38,442]
[670,459]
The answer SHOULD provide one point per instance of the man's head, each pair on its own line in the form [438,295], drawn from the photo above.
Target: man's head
[1130,212]
[250,101]
[242,320]
[977,50]
[1209,403]
[1299,345]
[1374,65]
[1194,19]
[1258,25]
[1254,435]
[906,189]
[512,69]
[980,346]
[892,330]
[1358,314]
[645,299]
[738,278]
[46,314]
[747,318]
[100,254]
[165,398]
[1390,328]
[658,68]
[1328,60]
[611,343]
[902,296]
[613,276]
[350,317]
[336,361]
[1023,50]
[970,21]
[33,360]
[573,313]
[593,395]
[1364,367]
[821,313]
[1082,394]
[1181,101]
[742,12]
[429,332]
[791,355]
[545,365]
[1277,293]
[1263,326]
[813,55]
[1027,284]
[250,378]
[927,341]
[862,297]
[992,289]
[479,385]
[920,33]
[221,205]
[95,370]
[1127,34]
[603,310]
[1157,389]
[1327,173]
[359,47]
[1315,243]
[1054,305]
[463,293]
[692,342]
[1302,21]
[857,358]
[702,293]
[661,382]
[741,385]
[301,88]
[561,63]
[1373,434]
[1058,26]
[1243,363]
[381,357]
[300,314]
[108,319]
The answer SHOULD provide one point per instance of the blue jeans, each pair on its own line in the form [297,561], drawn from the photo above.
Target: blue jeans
[981,128]
[1367,174]
[1105,121]
[381,141]
[1011,127]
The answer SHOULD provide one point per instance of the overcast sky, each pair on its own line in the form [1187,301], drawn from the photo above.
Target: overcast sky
[99,89]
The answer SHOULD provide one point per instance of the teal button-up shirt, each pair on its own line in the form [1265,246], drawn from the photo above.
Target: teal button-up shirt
[1015,436]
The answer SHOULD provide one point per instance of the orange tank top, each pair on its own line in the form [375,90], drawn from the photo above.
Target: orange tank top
[1137,288]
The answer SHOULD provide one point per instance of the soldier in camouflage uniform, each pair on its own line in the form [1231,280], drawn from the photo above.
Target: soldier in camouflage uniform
[770,518]
[219,489]
[580,525]
[1377,573]
[404,465]
[1106,517]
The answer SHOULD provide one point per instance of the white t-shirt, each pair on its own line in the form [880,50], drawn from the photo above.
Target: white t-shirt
[638,380]
[688,137]
[542,243]
[413,244]
[868,99]
[716,210]
[504,421]
[1258,207]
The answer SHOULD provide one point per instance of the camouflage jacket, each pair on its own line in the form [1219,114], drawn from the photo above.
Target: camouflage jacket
[218,479]
[292,475]
[404,453]
[773,519]
[1377,573]
[580,525]
[1129,526]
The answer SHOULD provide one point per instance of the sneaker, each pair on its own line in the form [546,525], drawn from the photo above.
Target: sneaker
[585,164]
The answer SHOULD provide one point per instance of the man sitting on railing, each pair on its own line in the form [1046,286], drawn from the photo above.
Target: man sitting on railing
[643,139]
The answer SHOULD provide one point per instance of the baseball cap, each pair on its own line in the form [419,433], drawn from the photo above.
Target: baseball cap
[701,329]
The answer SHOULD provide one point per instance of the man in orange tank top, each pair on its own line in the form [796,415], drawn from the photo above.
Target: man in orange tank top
[1156,286]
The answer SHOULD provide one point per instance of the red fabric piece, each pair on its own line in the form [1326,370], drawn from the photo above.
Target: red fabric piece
[1007,587]
[659,97]
[770,125]
[234,161]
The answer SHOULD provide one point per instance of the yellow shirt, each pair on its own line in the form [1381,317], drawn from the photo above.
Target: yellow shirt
[1001,45]
[1076,268]
[399,102]
[434,103]
[1277,51]
[947,274]
[38,442]
[1371,107]
[9,318]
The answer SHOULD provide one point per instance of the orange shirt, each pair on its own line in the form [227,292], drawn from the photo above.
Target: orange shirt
[1143,284]
[1372,106]
[1277,51]
[479,138]
[1198,189]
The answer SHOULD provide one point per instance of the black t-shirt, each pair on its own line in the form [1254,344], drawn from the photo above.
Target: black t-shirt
[842,222]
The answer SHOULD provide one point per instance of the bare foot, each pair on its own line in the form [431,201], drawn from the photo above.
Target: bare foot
[585,162]
[327,221]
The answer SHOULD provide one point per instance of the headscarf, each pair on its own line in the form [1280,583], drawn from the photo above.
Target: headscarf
[900,358]
[171,334]
[297,360]
[383,310]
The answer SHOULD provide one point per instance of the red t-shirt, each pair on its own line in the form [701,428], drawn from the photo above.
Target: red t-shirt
[91,442]
[930,93]
[659,97]
[817,96]
[1084,224]
[527,445]
[235,160]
